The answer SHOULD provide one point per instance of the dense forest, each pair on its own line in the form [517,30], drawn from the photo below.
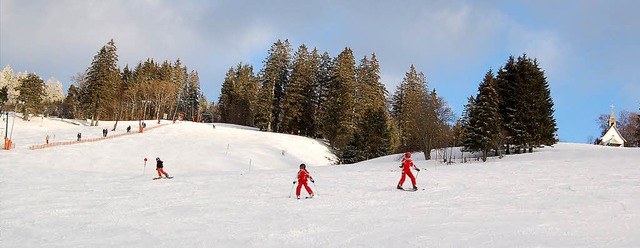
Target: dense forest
[307,92]
[310,93]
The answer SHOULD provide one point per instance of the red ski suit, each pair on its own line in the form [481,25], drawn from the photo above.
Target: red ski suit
[406,171]
[303,175]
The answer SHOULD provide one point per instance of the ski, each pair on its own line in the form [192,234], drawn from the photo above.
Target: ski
[156,178]
[306,197]
[410,190]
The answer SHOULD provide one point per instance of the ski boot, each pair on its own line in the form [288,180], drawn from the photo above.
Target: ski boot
[415,188]
[399,187]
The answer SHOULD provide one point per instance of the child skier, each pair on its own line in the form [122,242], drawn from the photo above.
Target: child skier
[406,171]
[303,174]
[159,167]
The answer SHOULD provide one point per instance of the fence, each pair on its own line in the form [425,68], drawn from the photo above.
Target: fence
[63,143]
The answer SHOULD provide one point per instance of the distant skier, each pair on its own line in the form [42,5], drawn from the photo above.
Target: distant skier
[159,168]
[406,171]
[303,175]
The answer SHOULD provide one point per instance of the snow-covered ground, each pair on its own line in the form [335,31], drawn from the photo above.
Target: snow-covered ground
[231,188]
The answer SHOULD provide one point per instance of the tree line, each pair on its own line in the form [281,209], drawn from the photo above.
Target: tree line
[103,91]
[310,93]
[37,96]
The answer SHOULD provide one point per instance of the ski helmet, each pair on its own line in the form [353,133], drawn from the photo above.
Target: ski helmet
[303,166]
[157,158]
[407,155]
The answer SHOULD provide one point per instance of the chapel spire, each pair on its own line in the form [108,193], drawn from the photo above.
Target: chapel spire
[612,118]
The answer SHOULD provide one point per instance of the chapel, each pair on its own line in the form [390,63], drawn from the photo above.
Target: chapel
[612,136]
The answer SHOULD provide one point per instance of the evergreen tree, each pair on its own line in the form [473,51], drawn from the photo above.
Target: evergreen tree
[409,109]
[372,137]
[238,97]
[543,124]
[297,104]
[507,83]
[376,134]
[322,90]
[191,95]
[32,93]
[103,78]
[203,109]
[127,85]
[70,105]
[274,78]
[469,134]
[313,95]
[526,105]
[179,79]
[484,120]
[340,120]
[4,95]
[371,91]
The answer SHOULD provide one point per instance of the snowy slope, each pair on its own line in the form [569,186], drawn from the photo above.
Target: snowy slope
[100,194]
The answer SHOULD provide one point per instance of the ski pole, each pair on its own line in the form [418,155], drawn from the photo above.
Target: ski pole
[294,183]
[314,185]
[145,166]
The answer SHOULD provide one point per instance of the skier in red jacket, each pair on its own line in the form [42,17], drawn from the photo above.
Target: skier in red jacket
[303,175]
[406,171]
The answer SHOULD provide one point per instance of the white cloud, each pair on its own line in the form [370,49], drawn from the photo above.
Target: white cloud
[544,45]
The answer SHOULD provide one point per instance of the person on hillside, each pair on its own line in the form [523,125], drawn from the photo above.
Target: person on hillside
[79,136]
[406,171]
[129,128]
[303,176]
[47,139]
[159,168]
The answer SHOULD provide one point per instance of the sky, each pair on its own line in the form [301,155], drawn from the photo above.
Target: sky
[588,49]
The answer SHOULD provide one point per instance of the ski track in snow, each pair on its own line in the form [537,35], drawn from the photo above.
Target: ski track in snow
[231,188]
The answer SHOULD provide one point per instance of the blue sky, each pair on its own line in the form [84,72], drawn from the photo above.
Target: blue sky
[588,49]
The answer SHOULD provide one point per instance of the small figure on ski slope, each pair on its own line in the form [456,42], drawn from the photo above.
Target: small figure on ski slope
[406,171]
[159,168]
[303,175]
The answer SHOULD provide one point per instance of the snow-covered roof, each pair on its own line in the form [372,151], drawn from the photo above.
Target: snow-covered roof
[612,136]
